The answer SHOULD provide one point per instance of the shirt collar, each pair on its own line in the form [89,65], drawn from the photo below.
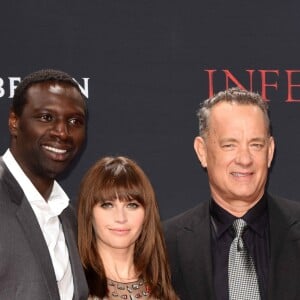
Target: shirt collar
[256,217]
[58,199]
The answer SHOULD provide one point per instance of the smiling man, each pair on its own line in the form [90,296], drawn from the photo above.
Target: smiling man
[38,236]
[243,243]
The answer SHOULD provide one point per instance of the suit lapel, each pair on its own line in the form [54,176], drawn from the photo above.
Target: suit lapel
[194,247]
[35,238]
[32,231]
[284,239]
[69,226]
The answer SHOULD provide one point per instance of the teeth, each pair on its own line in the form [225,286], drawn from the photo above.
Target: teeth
[239,174]
[59,151]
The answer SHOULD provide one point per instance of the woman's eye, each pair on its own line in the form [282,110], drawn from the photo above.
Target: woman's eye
[106,205]
[133,205]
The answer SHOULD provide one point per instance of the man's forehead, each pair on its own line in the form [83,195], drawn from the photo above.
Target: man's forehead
[225,108]
[56,88]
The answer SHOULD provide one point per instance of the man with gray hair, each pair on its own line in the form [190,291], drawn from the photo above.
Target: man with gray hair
[242,243]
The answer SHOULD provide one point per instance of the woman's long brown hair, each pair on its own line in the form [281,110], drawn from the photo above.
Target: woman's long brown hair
[121,176]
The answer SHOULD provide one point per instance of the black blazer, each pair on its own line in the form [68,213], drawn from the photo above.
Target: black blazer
[26,270]
[188,241]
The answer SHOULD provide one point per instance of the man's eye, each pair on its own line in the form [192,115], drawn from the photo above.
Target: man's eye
[228,146]
[76,122]
[46,118]
[257,146]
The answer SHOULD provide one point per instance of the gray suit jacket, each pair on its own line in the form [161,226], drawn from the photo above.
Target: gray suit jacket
[188,241]
[26,270]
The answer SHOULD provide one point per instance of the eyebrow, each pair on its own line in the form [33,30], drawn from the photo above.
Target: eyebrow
[255,139]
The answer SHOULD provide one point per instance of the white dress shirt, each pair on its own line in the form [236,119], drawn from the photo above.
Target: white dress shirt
[47,213]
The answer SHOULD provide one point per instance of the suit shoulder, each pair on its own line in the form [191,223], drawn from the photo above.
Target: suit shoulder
[284,207]
[188,217]
[9,187]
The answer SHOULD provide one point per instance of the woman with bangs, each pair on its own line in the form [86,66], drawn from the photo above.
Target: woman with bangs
[119,234]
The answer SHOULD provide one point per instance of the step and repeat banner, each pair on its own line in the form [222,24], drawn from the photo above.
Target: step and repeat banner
[145,66]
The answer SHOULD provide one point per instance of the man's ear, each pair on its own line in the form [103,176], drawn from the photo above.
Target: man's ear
[13,123]
[271,151]
[201,151]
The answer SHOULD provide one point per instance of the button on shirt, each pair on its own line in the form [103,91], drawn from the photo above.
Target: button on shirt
[47,215]
[256,238]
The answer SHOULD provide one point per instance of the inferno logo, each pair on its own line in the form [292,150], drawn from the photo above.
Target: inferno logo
[262,81]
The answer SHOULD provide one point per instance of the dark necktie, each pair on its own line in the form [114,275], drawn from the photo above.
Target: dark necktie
[243,283]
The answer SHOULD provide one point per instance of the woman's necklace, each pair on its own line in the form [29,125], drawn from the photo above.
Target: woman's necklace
[130,290]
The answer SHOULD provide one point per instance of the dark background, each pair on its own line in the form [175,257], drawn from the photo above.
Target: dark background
[146,61]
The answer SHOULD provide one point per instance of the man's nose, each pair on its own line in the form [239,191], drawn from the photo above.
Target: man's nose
[244,156]
[60,128]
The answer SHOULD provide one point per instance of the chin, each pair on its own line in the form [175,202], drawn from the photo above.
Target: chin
[246,197]
[58,168]
[54,173]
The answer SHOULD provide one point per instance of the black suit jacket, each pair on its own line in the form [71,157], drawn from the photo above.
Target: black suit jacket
[26,270]
[188,241]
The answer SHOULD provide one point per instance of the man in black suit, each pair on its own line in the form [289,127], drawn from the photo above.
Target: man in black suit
[236,148]
[38,227]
